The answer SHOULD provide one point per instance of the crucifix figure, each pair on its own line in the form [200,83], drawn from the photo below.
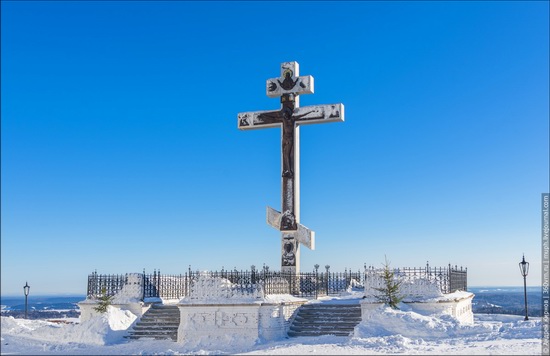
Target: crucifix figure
[290,117]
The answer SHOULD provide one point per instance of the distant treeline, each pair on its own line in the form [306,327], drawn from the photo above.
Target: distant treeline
[507,303]
[43,314]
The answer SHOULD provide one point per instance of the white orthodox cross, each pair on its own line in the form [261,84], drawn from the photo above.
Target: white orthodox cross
[290,117]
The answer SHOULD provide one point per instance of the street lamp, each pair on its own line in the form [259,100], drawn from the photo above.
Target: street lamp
[524,269]
[26,289]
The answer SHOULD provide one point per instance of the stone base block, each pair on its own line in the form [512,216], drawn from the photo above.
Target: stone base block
[87,308]
[218,324]
[241,324]
[458,305]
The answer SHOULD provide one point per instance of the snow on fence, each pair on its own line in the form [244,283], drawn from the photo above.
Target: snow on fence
[444,279]
[305,284]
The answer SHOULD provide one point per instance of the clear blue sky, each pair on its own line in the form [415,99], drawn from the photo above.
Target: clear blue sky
[120,147]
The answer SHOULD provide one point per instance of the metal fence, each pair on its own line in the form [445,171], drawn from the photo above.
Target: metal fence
[105,284]
[448,279]
[305,284]
[458,279]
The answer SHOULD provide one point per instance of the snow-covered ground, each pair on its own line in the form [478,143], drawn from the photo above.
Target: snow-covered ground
[391,332]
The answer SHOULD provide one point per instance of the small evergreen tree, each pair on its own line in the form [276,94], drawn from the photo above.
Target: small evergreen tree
[104,301]
[390,290]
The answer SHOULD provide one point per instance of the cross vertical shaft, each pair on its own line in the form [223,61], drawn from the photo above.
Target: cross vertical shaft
[290,147]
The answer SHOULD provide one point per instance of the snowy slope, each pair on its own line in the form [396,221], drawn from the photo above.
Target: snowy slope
[395,332]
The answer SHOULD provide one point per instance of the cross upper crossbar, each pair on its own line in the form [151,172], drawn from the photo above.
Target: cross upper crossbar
[290,82]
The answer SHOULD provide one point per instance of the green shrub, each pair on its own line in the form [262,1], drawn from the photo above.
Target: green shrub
[390,290]
[104,301]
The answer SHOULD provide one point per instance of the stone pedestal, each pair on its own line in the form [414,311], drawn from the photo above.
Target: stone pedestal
[423,296]
[128,298]
[457,304]
[217,313]
[240,324]
[88,312]
[218,324]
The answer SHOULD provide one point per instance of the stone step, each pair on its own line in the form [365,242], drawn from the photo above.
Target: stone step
[156,322]
[171,327]
[172,337]
[150,319]
[325,319]
[350,324]
[335,333]
[162,308]
[152,332]
[159,335]
[327,331]
[331,310]
[163,312]
[160,322]
[322,316]
[331,306]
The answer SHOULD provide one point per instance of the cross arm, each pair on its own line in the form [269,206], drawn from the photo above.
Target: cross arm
[303,235]
[259,119]
[319,114]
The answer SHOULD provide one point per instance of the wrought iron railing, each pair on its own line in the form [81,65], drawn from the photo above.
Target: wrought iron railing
[448,279]
[458,279]
[105,284]
[305,284]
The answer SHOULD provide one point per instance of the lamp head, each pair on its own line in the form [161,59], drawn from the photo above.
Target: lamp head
[524,267]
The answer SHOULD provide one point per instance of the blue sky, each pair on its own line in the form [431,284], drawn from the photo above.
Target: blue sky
[120,147]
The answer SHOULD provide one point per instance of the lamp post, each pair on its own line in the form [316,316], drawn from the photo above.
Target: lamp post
[26,289]
[524,269]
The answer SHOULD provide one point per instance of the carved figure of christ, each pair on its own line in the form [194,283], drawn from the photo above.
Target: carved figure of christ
[284,118]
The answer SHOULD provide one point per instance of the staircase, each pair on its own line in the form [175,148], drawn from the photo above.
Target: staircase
[159,322]
[325,319]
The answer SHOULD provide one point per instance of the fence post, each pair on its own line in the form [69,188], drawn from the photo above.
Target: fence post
[450,279]
[327,267]
[158,283]
[143,284]
[316,280]
[90,285]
